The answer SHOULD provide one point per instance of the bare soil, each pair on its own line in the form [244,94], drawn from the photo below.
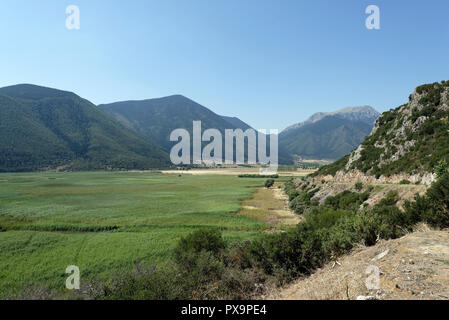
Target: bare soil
[414,267]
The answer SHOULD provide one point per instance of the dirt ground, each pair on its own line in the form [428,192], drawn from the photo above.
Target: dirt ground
[271,206]
[413,267]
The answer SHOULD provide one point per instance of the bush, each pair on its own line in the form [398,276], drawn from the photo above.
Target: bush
[290,190]
[296,252]
[358,186]
[404,182]
[441,168]
[208,240]
[433,207]
[303,200]
[346,200]
[269,183]
[144,283]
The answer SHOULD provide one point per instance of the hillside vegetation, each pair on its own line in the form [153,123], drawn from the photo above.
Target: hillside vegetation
[411,139]
[157,118]
[43,128]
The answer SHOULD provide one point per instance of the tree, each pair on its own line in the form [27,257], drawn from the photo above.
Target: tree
[269,183]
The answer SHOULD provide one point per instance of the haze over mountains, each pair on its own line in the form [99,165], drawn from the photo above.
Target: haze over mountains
[43,128]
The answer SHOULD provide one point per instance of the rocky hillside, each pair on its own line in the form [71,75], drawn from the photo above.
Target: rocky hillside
[407,142]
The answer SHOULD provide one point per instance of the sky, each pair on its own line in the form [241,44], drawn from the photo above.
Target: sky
[272,63]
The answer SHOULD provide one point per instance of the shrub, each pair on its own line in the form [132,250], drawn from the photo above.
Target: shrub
[358,186]
[290,190]
[296,251]
[390,199]
[433,207]
[392,222]
[208,240]
[404,182]
[346,200]
[441,168]
[303,200]
[144,283]
[269,183]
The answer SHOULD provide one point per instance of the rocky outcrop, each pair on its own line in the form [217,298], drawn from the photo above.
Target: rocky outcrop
[354,176]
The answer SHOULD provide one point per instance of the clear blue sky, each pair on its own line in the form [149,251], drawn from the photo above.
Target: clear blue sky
[271,63]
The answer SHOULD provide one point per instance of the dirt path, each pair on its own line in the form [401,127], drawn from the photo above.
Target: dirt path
[270,206]
[413,267]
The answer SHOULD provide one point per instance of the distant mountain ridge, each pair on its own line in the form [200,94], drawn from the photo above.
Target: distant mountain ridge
[236,122]
[327,135]
[365,114]
[44,128]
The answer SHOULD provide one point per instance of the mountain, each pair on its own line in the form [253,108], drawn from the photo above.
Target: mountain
[411,139]
[327,135]
[237,123]
[366,114]
[157,118]
[42,128]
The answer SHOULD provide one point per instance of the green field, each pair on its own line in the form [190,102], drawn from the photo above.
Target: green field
[104,221]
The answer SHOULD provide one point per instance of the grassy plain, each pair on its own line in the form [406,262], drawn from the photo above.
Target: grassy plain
[105,221]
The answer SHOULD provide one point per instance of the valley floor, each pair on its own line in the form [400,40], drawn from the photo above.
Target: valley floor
[103,222]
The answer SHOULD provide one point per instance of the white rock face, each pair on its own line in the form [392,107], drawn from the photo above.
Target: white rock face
[354,176]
